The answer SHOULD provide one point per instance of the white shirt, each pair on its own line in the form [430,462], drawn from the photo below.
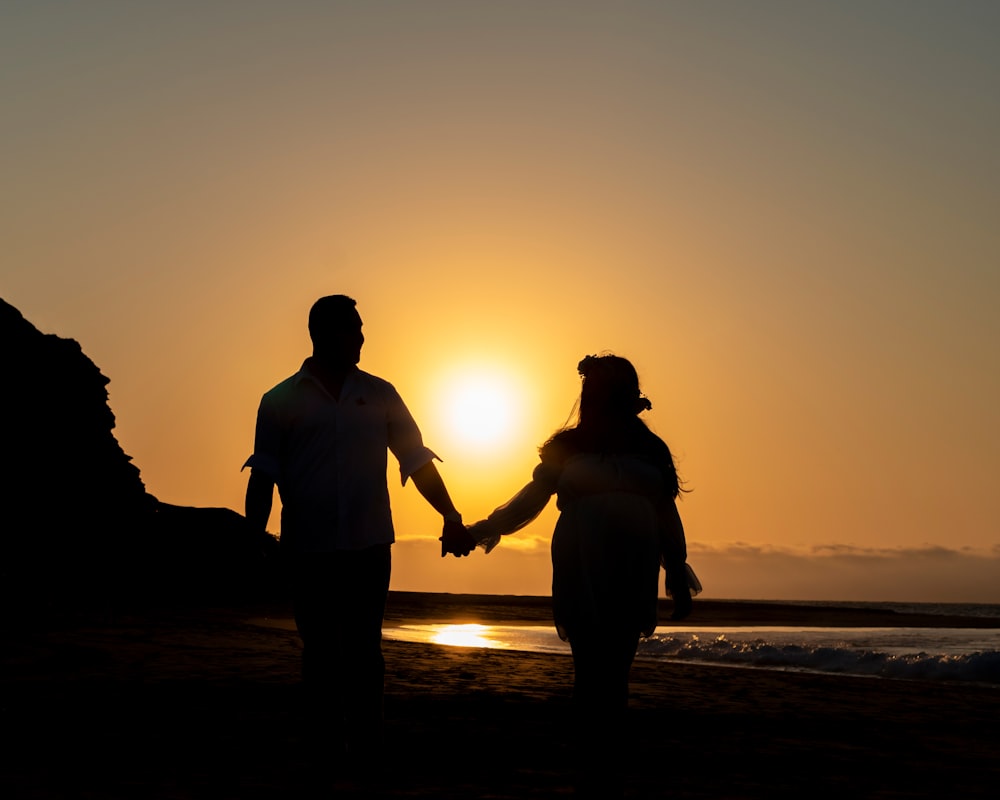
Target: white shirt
[328,458]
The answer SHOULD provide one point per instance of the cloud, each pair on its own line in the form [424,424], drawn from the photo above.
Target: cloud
[417,566]
[845,551]
[929,573]
[737,570]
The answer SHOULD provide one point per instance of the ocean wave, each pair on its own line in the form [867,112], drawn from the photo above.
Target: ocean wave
[978,667]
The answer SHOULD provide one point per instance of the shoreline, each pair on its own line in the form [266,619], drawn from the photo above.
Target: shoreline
[441,607]
[193,702]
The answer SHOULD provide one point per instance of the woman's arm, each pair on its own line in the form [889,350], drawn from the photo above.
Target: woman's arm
[517,512]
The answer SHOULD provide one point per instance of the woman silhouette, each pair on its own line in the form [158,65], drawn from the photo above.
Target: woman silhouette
[616,487]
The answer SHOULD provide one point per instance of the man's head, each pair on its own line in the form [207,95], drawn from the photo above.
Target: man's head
[335,330]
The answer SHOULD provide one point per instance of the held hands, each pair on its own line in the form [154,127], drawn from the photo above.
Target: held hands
[456,539]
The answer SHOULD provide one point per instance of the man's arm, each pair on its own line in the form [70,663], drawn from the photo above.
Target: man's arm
[455,538]
[431,486]
[260,496]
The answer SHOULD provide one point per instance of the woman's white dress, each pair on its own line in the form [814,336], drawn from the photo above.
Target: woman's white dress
[607,541]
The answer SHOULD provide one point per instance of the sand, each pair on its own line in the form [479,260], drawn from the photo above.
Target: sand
[205,703]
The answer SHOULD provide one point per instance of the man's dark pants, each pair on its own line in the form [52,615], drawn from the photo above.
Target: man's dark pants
[339,603]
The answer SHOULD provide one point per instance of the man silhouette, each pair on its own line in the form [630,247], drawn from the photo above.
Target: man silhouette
[322,438]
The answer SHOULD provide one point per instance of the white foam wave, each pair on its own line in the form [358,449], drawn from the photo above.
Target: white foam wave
[978,667]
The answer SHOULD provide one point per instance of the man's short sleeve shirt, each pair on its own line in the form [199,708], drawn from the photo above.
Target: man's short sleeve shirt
[328,458]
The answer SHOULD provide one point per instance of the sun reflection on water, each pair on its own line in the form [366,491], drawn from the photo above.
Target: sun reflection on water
[469,635]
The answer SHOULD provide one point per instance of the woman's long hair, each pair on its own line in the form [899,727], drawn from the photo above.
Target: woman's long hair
[607,418]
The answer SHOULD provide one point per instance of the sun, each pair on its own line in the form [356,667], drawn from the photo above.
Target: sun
[480,412]
[479,409]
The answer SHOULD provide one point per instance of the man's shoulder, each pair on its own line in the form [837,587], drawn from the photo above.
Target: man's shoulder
[284,388]
[373,381]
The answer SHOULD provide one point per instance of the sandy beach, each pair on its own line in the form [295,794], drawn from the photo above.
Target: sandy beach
[205,703]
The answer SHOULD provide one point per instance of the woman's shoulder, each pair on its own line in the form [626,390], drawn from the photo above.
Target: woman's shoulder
[559,447]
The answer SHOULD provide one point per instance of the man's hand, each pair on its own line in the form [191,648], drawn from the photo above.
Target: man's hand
[456,539]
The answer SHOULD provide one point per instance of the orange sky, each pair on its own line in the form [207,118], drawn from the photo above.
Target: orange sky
[784,215]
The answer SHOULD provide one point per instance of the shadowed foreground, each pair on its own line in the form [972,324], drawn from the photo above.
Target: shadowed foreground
[204,704]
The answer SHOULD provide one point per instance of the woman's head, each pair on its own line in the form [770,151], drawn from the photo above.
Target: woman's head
[610,390]
[607,418]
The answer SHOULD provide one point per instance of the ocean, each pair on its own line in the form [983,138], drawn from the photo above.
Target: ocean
[897,653]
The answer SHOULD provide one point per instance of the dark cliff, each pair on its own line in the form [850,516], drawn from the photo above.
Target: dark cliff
[80,525]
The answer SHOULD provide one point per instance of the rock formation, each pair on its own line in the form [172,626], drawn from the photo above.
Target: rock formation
[79,523]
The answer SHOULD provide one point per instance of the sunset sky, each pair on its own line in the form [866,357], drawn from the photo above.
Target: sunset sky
[784,213]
